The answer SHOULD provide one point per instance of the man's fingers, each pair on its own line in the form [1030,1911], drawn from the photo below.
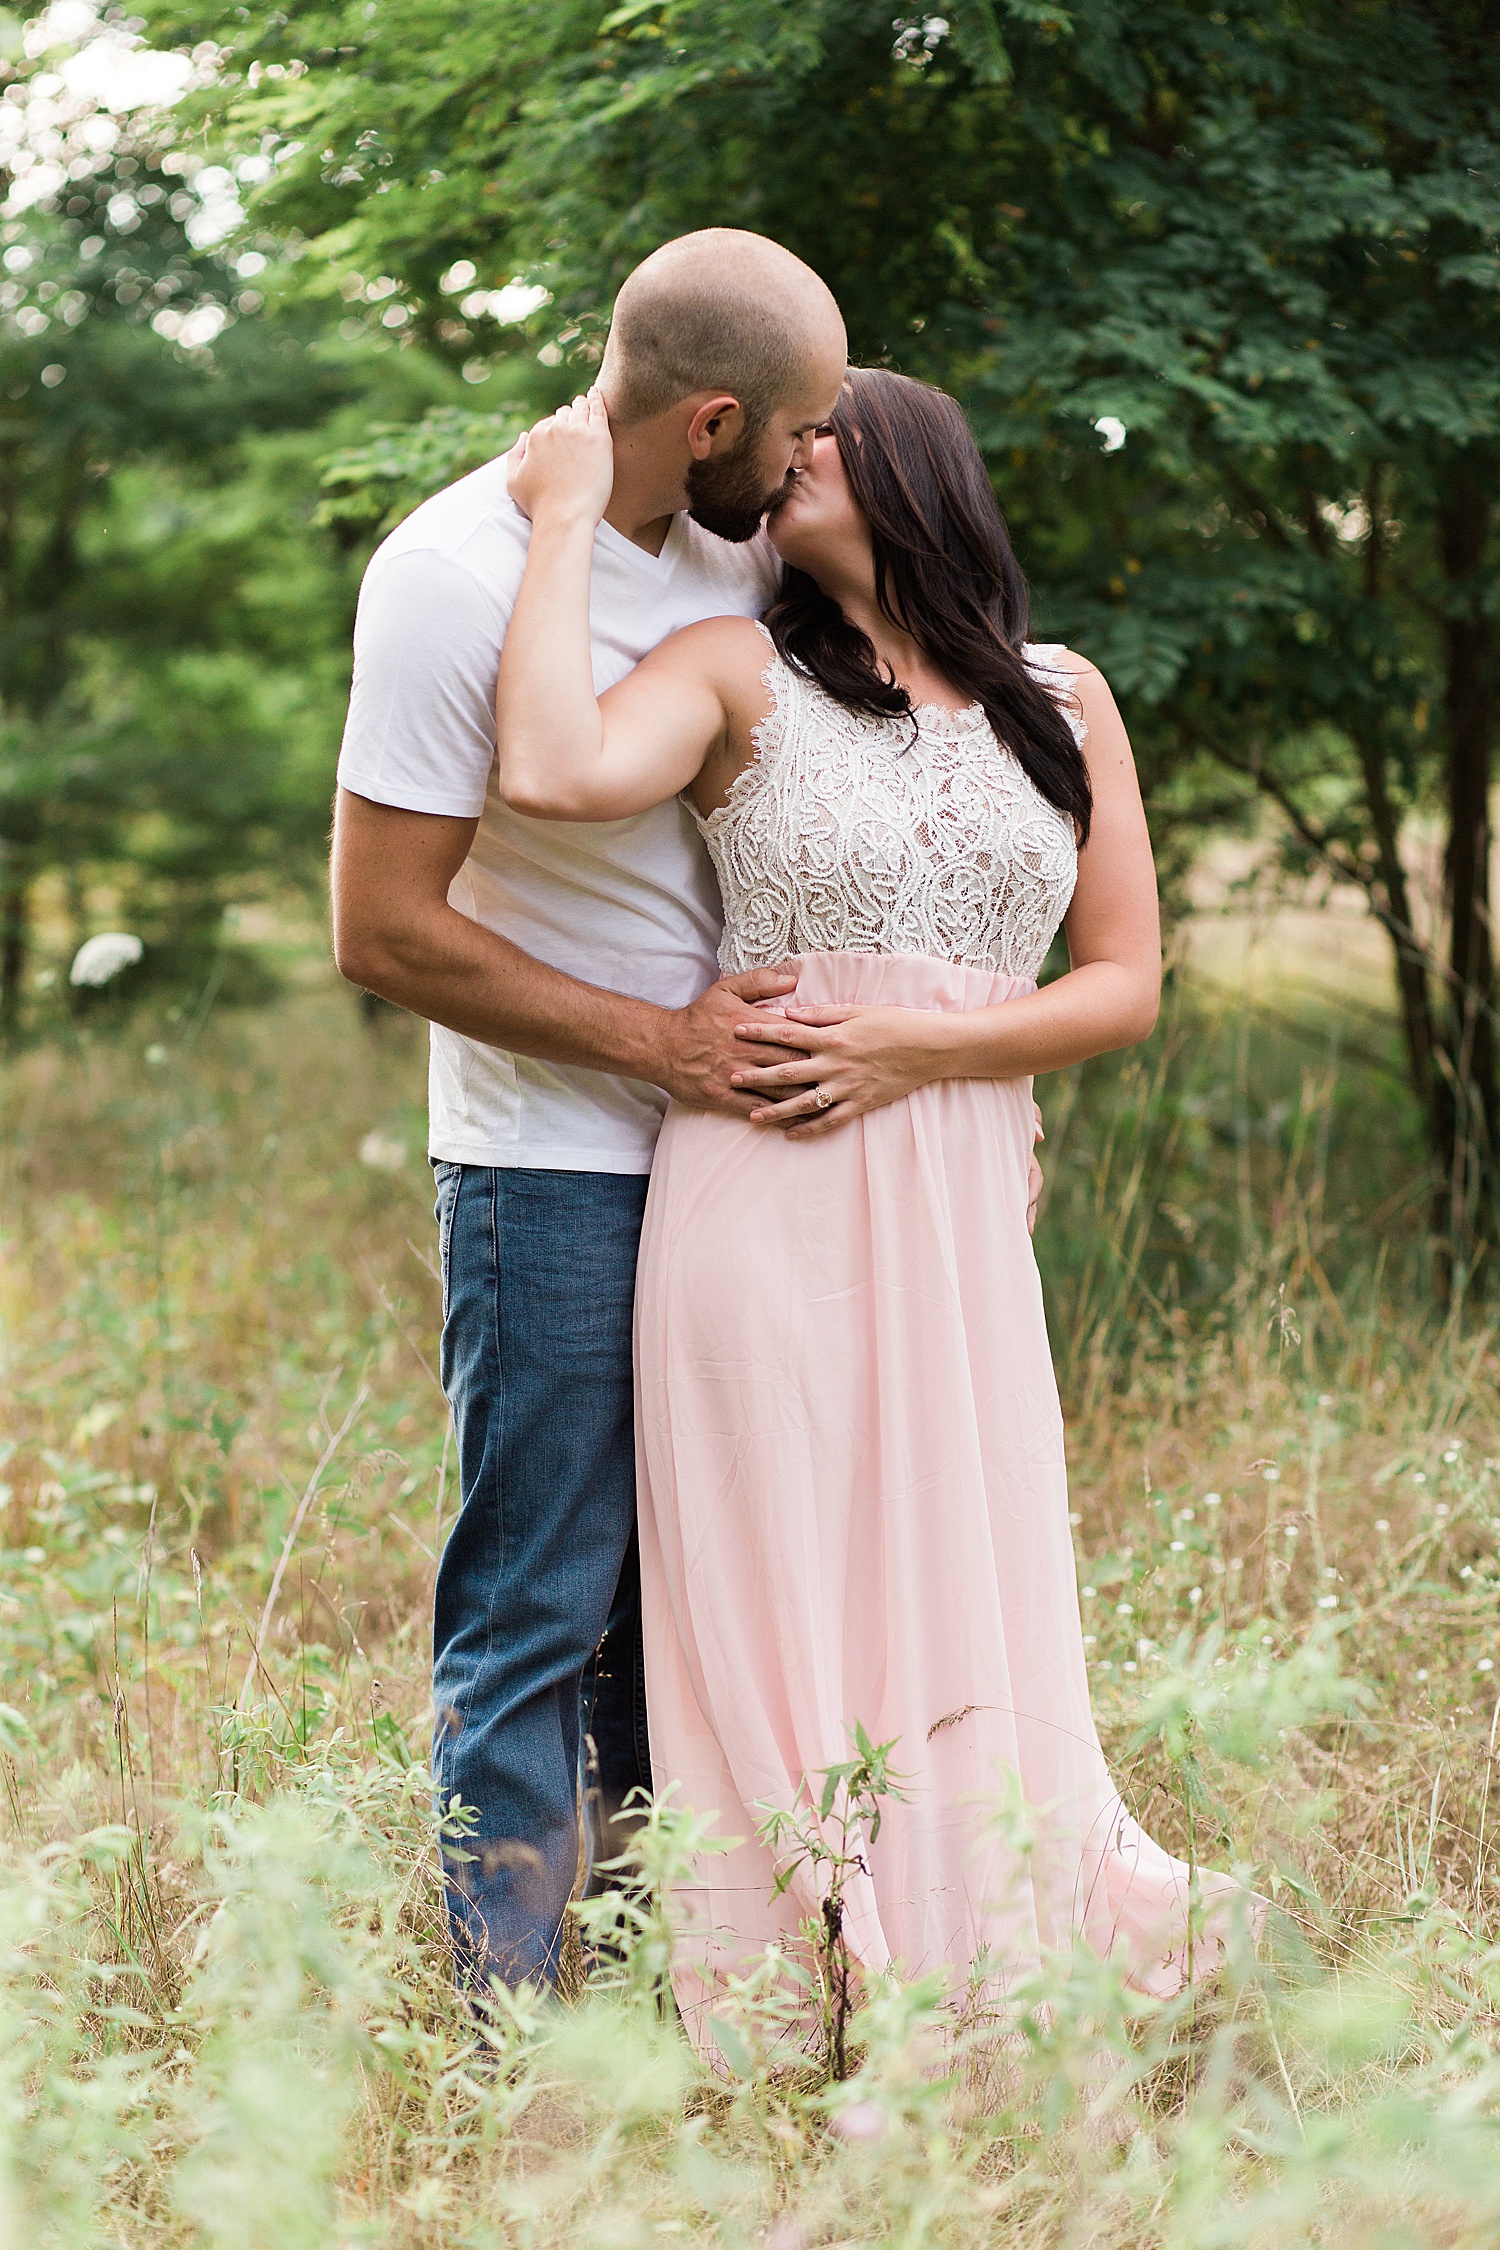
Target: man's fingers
[760,984]
[733,1101]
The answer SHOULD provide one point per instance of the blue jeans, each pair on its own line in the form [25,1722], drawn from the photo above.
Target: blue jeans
[536,1630]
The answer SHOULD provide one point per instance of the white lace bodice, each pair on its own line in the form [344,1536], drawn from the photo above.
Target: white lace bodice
[845,836]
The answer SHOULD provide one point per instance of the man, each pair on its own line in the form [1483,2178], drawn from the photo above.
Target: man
[569,975]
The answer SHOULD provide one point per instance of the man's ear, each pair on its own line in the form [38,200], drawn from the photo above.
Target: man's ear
[715,425]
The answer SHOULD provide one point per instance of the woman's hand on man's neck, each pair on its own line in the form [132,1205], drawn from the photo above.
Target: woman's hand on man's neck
[651,465]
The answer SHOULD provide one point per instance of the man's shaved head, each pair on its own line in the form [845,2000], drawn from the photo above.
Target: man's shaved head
[721,310]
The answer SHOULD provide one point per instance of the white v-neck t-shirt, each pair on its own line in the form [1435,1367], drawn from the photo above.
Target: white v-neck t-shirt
[631,905]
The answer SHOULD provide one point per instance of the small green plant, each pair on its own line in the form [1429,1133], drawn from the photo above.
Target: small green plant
[829,1837]
[629,1930]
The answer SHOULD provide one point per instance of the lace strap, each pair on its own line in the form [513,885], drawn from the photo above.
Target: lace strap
[767,736]
[1059,682]
[785,688]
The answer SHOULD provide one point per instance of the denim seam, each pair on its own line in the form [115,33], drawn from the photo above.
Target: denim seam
[500,1432]
[479,1672]
[445,1736]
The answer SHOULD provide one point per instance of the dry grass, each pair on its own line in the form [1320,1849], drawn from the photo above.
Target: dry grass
[227,2017]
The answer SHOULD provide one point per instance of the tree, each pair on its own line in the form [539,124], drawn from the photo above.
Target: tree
[172,631]
[1290,299]
[1256,246]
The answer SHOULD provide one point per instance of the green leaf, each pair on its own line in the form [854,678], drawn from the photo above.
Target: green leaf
[976,35]
[732,2047]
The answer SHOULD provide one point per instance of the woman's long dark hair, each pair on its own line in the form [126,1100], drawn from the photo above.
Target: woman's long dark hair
[944,572]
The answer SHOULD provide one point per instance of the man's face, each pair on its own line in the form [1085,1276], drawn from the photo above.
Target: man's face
[731,492]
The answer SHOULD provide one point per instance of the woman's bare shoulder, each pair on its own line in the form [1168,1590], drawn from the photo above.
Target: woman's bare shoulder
[1087,686]
[1059,658]
[728,650]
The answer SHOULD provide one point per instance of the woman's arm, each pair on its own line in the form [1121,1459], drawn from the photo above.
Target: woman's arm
[867,1057]
[565,753]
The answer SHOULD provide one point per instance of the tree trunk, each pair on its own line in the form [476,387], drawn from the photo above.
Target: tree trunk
[1413,988]
[1469,1098]
[15,934]
[39,595]
[1392,902]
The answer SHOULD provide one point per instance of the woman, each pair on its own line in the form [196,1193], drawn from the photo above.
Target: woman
[853,1499]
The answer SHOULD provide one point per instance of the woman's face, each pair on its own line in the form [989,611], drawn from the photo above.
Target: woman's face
[820,527]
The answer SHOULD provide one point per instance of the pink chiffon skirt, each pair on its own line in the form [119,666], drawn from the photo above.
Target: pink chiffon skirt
[853,1506]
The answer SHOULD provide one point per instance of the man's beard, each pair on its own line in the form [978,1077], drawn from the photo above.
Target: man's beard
[726,494]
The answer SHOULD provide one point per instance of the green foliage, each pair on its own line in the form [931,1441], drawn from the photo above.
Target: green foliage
[1258,245]
[107,364]
[173,623]
[317,2062]
[224,1988]
[1235,1704]
[273,2010]
[628,1928]
[375,484]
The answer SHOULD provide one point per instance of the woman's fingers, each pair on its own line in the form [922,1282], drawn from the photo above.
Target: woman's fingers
[813,1102]
[770,1031]
[827,1121]
[568,461]
[824,1013]
[802,1071]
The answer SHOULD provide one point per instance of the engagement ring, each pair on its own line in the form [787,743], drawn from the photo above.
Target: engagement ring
[822,1099]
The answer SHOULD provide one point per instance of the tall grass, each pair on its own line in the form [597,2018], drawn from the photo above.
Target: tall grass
[226,2016]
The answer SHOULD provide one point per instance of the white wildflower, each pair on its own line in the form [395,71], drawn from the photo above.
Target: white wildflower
[382,1152]
[102,957]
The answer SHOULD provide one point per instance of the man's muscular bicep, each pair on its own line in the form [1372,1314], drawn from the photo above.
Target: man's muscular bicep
[391,873]
[396,934]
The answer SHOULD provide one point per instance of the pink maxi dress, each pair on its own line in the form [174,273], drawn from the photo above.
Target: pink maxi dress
[853,1495]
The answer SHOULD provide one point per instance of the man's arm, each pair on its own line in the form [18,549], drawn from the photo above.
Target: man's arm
[395,933]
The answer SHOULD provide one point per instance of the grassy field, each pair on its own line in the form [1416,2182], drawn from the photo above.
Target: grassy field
[225,2016]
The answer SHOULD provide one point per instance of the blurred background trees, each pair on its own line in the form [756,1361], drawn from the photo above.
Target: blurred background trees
[1218,287]
[173,627]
